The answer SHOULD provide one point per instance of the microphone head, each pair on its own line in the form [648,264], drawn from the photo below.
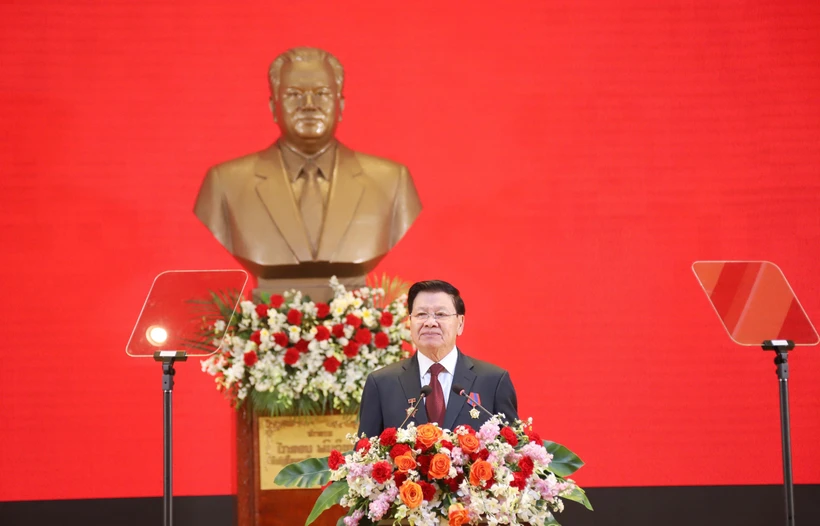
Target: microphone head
[426,390]
[457,389]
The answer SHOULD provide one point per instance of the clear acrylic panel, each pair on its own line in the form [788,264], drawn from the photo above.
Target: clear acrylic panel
[755,302]
[180,306]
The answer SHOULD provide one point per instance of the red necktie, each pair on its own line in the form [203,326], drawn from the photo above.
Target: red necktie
[435,400]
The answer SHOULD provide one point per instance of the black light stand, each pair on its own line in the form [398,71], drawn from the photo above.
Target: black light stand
[167,358]
[781,360]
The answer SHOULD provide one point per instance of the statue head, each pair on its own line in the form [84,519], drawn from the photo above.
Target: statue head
[306,97]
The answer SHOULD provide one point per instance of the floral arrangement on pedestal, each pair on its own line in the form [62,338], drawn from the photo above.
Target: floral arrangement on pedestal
[289,355]
[498,474]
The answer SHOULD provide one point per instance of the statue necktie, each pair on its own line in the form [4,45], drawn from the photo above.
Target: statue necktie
[435,400]
[311,205]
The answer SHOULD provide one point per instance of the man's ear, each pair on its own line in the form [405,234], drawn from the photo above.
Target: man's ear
[272,106]
[341,106]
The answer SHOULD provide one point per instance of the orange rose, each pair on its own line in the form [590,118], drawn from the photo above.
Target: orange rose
[439,466]
[480,472]
[468,443]
[405,462]
[458,515]
[427,435]
[411,494]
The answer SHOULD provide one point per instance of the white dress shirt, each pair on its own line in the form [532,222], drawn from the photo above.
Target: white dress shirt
[445,378]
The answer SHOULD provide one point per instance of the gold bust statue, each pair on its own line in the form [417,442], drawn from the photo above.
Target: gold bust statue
[307,207]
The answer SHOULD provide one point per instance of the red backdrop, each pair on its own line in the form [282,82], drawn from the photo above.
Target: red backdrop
[574,158]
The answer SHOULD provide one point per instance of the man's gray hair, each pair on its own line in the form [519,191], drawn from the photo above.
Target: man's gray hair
[304,54]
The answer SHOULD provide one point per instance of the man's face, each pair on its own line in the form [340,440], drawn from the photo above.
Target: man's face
[432,334]
[307,103]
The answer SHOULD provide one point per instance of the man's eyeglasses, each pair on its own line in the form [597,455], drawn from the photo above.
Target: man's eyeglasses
[424,316]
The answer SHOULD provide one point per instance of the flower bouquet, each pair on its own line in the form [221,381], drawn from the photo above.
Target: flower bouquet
[498,474]
[291,356]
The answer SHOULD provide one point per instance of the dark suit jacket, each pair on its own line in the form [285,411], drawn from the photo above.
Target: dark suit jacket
[387,391]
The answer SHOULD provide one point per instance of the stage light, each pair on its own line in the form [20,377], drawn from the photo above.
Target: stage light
[156,335]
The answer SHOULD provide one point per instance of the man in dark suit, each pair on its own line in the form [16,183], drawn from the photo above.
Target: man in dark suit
[436,319]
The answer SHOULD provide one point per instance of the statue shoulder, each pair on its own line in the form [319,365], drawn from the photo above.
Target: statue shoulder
[244,165]
[378,165]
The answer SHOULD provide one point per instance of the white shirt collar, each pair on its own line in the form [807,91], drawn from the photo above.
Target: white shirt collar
[448,362]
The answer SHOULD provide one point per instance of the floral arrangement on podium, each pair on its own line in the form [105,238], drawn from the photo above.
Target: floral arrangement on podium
[289,355]
[498,474]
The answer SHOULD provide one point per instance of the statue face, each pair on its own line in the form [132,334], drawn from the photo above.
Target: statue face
[307,104]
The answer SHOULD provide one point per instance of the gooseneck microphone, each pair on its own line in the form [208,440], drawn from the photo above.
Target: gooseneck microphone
[457,389]
[426,390]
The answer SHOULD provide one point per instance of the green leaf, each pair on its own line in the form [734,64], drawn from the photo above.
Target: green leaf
[564,462]
[331,496]
[578,495]
[305,474]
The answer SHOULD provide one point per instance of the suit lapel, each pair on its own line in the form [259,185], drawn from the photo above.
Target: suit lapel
[464,376]
[345,193]
[411,385]
[275,192]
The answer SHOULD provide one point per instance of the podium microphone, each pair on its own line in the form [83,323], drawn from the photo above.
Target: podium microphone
[457,389]
[426,390]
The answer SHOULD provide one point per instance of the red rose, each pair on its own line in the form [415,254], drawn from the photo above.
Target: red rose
[353,320]
[381,471]
[294,317]
[453,483]
[424,464]
[276,301]
[338,330]
[322,310]
[351,349]
[399,478]
[291,356]
[427,490]
[382,340]
[364,336]
[388,437]
[250,358]
[446,444]
[262,310]
[399,449]
[526,466]
[331,364]
[301,345]
[363,445]
[484,454]
[322,333]
[281,339]
[336,459]
[519,480]
[386,319]
[509,436]
[256,337]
